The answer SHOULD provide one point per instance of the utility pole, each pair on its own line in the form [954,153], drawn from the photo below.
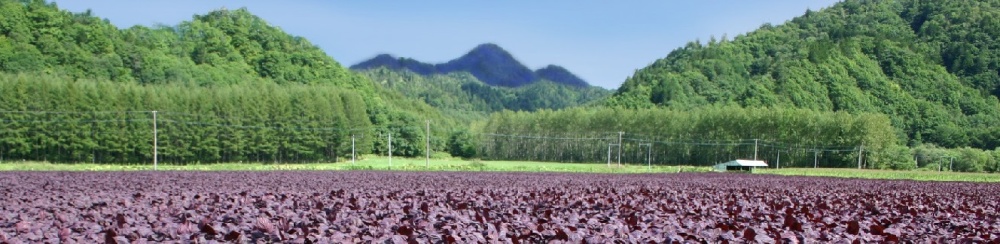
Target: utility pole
[390,150]
[427,159]
[609,155]
[778,164]
[951,163]
[861,150]
[155,149]
[620,133]
[649,153]
[649,156]
[815,158]
[352,150]
[755,149]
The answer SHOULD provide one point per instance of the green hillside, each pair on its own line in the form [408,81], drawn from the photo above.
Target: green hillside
[226,69]
[221,47]
[932,66]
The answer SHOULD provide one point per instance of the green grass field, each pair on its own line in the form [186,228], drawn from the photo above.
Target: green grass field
[370,163]
[453,164]
[886,174]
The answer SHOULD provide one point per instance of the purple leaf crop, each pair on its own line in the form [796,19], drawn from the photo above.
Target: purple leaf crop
[322,207]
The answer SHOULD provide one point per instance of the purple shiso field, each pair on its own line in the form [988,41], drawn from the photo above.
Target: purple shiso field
[402,207]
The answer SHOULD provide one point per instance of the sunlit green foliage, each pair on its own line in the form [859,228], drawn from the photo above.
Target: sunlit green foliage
[932,66]
[86,121]
[221,47]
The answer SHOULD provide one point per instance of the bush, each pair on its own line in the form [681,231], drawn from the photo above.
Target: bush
[463,144]
[898,158]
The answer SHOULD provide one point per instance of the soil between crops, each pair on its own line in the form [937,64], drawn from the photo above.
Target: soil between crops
[359,206]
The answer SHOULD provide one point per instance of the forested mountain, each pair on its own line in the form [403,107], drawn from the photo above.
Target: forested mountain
[487,79]
[488,62]
[461,94]
[221,47]
[932,66]
[492,65]
[76,62]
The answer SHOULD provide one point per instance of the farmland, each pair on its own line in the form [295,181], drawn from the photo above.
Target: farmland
[362,206]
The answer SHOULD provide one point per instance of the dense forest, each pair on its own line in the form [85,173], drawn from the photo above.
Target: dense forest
[932,66]
[84,121]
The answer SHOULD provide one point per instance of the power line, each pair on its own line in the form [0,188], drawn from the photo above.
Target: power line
[70,112]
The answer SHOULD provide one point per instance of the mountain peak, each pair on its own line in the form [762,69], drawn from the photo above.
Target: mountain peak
[493,65]
[488,62]
[489,54]
[394,63]
[488,48]
[385,56]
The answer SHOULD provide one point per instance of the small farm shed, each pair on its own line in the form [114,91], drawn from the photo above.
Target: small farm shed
[739,165]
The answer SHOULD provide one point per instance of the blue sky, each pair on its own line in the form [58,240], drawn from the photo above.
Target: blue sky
[603,42]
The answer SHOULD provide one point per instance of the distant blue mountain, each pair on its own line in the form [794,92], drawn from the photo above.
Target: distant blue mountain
[560,75]
[488,62]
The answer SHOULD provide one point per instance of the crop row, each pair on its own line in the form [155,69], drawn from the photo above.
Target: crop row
[322,207]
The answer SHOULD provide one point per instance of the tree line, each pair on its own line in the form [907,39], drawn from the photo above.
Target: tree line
[105,122]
